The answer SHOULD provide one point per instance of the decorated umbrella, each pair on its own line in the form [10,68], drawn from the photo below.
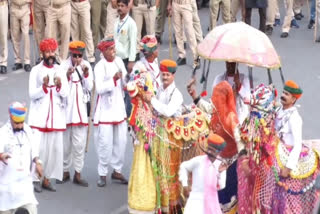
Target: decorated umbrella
[240,43]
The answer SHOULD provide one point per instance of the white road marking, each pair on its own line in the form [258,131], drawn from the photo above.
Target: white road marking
[120,210]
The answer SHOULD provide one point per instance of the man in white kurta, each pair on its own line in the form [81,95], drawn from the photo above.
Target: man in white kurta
[149,61]
[289,125]
[48,90]
[202,167]
[241,87]
[110,118]
[168,101]
[80,79]
[18,152]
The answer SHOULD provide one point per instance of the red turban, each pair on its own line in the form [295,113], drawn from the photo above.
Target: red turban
[48,45]
[105,44]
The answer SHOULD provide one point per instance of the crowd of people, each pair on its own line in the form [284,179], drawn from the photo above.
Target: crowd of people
[249,153]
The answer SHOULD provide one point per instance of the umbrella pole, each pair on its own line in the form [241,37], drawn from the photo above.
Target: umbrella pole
[206,78]
[203,77]
[250,77]
[281,74]
[269,76]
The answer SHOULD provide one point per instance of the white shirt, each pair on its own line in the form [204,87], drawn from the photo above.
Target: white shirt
[289,127]
[76,103]
[243,93]
[152,68]
[47,110]
[168,102]
[16,188]
[110,107]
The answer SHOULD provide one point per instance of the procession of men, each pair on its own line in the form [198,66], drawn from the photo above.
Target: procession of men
[92,58]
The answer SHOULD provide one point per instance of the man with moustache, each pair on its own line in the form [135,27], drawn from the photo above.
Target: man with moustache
[48,89]
[110,118]
[18,152]
[289,124]
[80,79]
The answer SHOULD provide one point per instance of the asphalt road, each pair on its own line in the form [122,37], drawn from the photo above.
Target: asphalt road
[300,58]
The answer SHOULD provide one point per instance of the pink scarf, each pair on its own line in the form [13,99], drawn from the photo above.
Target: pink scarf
[211,200]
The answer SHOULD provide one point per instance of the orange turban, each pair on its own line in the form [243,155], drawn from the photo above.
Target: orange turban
[77,47]
[293,88]
[168,65]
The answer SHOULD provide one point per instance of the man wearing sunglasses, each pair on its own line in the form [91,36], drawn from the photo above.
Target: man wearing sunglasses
[80,79]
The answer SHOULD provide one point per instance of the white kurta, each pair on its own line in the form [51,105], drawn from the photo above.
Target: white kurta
[16,187]
[76,104]
[168,102]
[77,120]
[110,135]
[196,166]
[47,110]
[243,93]
[47,114]
[289,127]
[152,68]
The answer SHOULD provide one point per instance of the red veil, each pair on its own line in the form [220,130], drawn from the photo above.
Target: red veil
[224,118]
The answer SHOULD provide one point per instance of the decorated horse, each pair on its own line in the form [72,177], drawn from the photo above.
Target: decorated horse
[261,189]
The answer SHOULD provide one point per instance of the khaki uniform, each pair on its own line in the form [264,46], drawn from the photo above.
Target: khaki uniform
[3,32]
[59,19]
[80,26]
[272,10]
[196,21]
[95,20]
[235,7]
[40,12]
[109,19]
[214,10]
[161,17]
[182,14]
[141,11]
[19,22]
[297,5]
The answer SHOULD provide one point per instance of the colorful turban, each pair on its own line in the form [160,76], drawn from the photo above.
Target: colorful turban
[17,112]
[48,45]
[293,88]
[168,65]
[216,141]
[148,44]
[106,43]
[77,47]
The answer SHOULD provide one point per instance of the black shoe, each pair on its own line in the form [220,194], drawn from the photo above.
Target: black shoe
[80,182]
[277,22]
[3,69]
[118,176]
[17,66]
[298,16]
[66,178]
[318,40]
[284,35]
[37,186]
[181,61]
[311,24]
[38,61]
[27,67]
[269,30]
[294,24]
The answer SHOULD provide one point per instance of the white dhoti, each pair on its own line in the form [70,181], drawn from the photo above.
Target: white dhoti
[74,143]
[110,141]
[51,153]
[32,209]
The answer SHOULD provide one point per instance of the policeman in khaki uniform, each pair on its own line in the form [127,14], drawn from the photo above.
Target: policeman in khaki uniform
[19,22]
[59,19]
[144,10]
[181,11]
[40,12]
[80,26]
[95,20]
[196,21]
[3,36]
[110,17]
[214,10]
[235,6]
